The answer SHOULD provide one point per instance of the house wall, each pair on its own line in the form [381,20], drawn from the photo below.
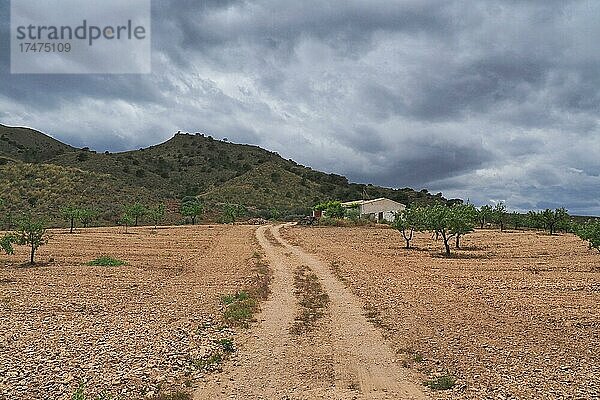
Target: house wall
[386,206]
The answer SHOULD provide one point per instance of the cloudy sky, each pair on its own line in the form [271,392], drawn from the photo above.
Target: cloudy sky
[483,100]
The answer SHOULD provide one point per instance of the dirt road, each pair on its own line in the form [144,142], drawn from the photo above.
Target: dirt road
[344,357]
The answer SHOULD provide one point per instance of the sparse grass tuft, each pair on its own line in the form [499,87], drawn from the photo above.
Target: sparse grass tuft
[178,395]
[227,345]
[239,309]
[443,382]
[106,261]
[313,300]
[79,394]
[336,268]
[211,363]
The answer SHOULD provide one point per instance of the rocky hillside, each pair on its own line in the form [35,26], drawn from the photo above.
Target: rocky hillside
[37,171]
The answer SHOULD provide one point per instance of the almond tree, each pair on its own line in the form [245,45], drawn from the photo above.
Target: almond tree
[30,232]
[408,221]
[192,209]
[136,211]
[71,214]
[499,215]
[157,214]
[590,232]
[450,222]
[484,214]
[126,220]
[6,241]
[86,216]
[553,219]
[464,217]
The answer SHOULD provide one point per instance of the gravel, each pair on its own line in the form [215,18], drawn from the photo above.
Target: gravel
[129,331]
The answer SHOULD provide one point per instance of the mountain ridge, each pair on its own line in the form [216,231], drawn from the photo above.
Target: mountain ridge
[217,171]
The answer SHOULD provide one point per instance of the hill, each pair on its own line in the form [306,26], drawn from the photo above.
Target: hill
[41,172]
[28,145]
[46,188]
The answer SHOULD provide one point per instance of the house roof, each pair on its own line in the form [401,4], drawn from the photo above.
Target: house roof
[362,202]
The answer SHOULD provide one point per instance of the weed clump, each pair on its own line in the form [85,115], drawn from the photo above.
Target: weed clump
[106,261]
[443,382]
[239,309]
[312,298]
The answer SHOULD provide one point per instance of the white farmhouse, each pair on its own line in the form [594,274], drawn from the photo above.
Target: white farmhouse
[381,209]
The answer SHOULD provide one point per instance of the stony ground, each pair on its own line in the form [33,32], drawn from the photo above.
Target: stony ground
[336,354]
[129,330]
[513,315]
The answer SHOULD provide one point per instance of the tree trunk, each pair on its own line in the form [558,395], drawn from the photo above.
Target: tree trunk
[136,221]
[501,226]
[32,255]
[72,225]
[408,238]
[193,220]
[446,239]
[458,241]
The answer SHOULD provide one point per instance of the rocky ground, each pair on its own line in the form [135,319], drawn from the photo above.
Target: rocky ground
[130,331]
[512,315]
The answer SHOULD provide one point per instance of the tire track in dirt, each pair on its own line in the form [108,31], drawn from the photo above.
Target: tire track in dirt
[344,358]
[361,357]
[268,364]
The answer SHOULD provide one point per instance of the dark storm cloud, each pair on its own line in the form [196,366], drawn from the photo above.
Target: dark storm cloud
[491,101]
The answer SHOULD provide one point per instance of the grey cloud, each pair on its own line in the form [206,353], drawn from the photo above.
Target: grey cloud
[493,100]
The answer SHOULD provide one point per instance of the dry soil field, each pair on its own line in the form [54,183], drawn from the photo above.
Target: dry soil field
[515,315]
[129,329]
[352,315]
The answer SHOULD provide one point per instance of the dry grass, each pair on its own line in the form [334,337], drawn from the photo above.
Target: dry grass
[313,300]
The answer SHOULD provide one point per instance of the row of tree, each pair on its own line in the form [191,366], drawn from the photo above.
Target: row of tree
[460,219]
[443,221]
[191,208]
[551,220]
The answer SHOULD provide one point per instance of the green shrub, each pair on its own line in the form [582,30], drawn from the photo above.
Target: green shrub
[239,308]
[106,261]
[443,382]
